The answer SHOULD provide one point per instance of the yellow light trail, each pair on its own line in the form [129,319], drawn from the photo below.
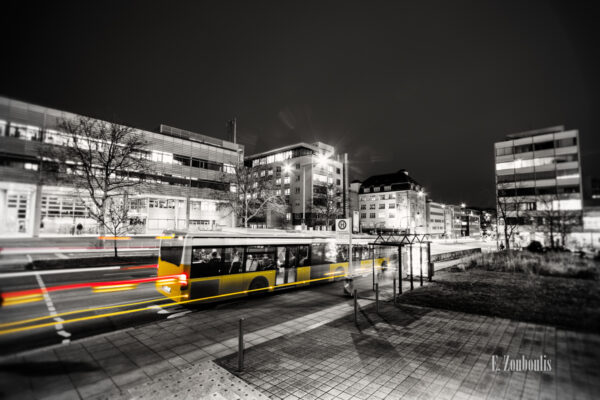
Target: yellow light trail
[116,313]
[26,321]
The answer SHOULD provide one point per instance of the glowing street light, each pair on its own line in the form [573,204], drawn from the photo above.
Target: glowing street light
[322,160]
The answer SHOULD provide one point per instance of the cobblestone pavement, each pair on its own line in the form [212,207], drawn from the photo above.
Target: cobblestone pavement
[420,353]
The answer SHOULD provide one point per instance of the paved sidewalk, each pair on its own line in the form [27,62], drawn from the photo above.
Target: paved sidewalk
[420,353]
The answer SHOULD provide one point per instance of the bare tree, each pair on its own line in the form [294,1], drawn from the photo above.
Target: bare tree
[557,220]
[104,162]
[327,203]
[252,193]
[508,209]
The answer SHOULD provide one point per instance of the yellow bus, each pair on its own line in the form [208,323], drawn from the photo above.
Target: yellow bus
[217,265]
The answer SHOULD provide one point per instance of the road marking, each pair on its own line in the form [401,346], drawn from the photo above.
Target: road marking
[52,310]
[61,255]
[118,305]
[56,271]
[160,309]
[29,258]
[179,314]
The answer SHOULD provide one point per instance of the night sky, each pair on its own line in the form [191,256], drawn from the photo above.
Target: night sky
[425,86]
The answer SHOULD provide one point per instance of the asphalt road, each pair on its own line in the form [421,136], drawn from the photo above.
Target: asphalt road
[80,302]
[20,323]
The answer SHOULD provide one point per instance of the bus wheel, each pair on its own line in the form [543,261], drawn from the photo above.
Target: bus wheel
[258,283]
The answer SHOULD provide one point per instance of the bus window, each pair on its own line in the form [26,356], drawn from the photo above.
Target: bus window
[207,261]
[261,258]
[171,254]
[304,256]
[234,261]
[293,256]
[323,253]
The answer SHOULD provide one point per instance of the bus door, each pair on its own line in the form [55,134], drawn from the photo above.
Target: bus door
[302,262]
[288,259]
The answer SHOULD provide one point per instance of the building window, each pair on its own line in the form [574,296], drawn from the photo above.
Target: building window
[288,216]
[297,178]
[338,171]
[363,215]
[286,180]
[297,190]
[392,205]
[382,197]
[270,171]
[382,206]
[392,215]
[278,181]
[381,215]
[297,165]
[278,192]
[363,206]
[338,182]
[286,191]
[376,189]
[371,206]
[372,215]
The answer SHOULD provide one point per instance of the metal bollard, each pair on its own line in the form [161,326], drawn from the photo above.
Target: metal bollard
[377,297]
[355,306]
[394,290]
[241,346]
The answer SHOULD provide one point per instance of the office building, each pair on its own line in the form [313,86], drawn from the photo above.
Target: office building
[436,226]
[188,172]
[538,181]
[392,201]
[303,173]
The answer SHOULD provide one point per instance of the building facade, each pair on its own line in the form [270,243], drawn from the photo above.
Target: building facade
[392,201]
[189,170]
[538,183]
[436,224]
[303,173]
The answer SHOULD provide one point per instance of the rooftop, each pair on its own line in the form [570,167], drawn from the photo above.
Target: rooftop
[399,180]
[536,132]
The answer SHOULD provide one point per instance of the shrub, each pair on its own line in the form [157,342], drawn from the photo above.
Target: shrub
[548,264]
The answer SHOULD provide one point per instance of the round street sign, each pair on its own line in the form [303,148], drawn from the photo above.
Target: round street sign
[342,224]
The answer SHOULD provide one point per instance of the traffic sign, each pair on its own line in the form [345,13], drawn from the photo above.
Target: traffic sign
[342,225]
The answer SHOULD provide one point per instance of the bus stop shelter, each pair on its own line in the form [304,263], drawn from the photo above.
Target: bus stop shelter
[400,241]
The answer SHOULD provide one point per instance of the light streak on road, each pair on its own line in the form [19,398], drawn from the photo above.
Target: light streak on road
[136,310]
[30,320]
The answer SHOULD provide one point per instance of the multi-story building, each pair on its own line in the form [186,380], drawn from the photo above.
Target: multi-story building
[189,170]
[393,201]
[538,175]
[303,173]
[436,225]
[470,223]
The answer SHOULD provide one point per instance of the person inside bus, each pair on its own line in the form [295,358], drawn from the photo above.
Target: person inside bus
[265,263]
[250,264]
[214,264]
[236,263]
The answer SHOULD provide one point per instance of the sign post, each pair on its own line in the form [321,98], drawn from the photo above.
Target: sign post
[343,232]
